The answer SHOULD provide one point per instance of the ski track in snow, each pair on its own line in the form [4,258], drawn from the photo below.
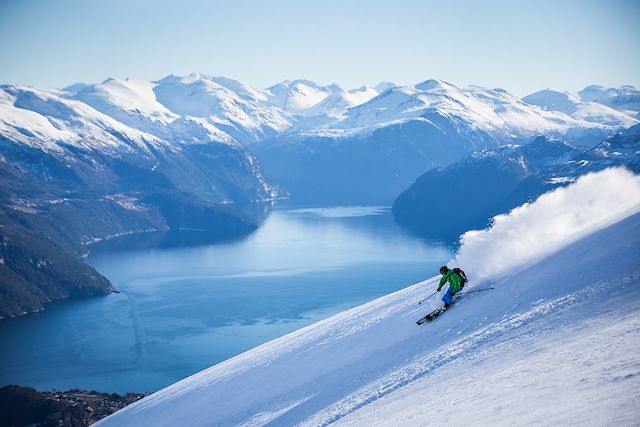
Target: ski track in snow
[263,418]
[518,380]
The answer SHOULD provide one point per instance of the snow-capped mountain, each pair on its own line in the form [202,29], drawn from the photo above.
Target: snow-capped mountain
[299,96]
[131,126]
[229,105]
[46,120]
[494,111]
[339,101]
[380,147]
[307,99]
[560,327]
[625,99]
[312,139]
[382,86]
[188,109]
[573,105]
[135,104]
[199,106]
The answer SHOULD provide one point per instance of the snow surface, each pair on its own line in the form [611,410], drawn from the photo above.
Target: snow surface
[556,342]
[229,105]
[129,95]
[518,379]
[135,104]
[46,120]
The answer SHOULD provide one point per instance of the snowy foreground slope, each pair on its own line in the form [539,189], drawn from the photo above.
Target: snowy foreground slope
[557,341]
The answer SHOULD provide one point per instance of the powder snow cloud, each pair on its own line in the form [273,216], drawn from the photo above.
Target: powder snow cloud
[556,219]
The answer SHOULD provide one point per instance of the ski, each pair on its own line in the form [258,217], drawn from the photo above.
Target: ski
[431,316]
[436,313]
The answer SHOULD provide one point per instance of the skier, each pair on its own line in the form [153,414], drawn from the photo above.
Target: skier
[456,279]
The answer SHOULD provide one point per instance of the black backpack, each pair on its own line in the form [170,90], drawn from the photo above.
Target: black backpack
[461,273]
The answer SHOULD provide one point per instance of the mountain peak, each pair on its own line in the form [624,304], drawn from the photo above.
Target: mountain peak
[594,87]
[552,99]
[297,82]
[334,87]
[198,76]
[75,87]
[382,86]
[189,78]
[434,84]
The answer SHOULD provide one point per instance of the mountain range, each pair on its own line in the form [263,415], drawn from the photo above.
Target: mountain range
[369,153]
[94,161]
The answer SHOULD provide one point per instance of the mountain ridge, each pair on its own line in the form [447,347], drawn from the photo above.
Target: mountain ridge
[495,181]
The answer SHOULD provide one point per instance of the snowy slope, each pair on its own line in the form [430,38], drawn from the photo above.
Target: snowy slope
[135,104]
[127,95]
[46,120]
[551,366]
[541,348]
[228,105]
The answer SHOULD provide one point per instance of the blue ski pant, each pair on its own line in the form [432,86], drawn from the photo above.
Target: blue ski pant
[448,296]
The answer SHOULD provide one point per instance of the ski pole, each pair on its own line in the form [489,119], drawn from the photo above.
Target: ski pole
[477,290]
[427,297]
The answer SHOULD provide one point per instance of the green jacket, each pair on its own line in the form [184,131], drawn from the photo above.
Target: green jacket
[454,279]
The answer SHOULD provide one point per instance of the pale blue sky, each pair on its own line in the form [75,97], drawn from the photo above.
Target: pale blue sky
[521,46]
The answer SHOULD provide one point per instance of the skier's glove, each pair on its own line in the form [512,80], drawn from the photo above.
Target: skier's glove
[438,290]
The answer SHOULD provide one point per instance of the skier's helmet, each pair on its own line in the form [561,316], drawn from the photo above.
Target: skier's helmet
[443,269]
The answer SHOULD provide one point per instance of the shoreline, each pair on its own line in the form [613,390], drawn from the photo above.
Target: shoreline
[21,405]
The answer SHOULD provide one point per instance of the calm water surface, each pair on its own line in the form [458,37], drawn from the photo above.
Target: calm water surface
[184,309]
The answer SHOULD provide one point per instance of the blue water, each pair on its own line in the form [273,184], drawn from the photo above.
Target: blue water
[184,309]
